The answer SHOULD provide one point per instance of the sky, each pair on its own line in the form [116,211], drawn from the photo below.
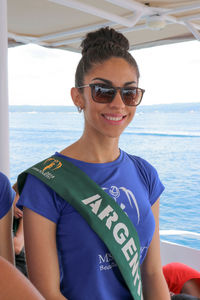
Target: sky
[41,76]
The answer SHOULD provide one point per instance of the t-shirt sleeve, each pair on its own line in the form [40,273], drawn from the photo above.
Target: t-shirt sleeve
[41,199]
[6,195]
[156,186]
[151,179]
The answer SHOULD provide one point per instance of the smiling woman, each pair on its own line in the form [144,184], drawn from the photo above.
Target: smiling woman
[75,203]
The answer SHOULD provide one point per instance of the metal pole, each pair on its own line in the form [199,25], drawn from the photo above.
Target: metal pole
[4,117]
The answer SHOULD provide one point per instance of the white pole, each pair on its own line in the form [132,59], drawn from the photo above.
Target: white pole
[4,117]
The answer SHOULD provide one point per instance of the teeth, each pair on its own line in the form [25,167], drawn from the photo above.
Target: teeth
[113,118]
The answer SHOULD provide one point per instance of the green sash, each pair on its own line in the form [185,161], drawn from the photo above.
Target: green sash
[101,212]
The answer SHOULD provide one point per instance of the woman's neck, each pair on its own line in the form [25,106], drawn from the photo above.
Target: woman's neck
[93,150]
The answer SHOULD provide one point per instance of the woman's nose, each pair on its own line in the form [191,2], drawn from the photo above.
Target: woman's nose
[117,101]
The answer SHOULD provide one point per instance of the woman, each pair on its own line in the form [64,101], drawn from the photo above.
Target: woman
[66,259]
[6,200]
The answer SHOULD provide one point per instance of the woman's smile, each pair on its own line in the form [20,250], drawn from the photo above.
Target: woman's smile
[114,119]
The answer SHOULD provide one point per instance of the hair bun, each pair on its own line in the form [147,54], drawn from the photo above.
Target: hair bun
[104,36]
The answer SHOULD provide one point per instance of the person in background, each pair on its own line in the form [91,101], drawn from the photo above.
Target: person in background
[65,258]
[18,239]
[182,279]
[14,285]
[6,200]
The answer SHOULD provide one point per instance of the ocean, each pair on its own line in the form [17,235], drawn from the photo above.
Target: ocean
[168,136]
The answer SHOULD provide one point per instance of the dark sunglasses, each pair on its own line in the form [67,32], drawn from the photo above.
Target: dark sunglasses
[131,96]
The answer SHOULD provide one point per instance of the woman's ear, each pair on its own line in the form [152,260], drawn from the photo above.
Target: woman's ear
[77,97]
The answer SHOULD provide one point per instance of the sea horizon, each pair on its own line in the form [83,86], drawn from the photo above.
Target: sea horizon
[185,104]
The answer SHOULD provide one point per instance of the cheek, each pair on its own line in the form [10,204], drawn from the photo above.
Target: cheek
[93,108]
[132,113]
[89,110]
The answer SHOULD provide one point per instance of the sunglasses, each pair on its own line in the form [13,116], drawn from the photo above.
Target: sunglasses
[131,96]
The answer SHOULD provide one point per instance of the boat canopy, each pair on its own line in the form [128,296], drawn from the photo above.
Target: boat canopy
[63,23]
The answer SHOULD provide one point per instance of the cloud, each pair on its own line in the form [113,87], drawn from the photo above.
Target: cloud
[45,76]
[168,73]
[41,76]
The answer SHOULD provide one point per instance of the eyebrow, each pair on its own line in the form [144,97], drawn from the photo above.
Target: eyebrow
[110,82]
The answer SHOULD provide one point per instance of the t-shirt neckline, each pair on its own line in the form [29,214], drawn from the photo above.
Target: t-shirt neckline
[107,164]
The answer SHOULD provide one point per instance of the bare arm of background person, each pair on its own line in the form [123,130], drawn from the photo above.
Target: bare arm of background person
[18,239]
[6,244]
[14,285]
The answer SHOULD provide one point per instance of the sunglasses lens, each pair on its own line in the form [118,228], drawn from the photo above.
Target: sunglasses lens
[102,94]
[132,96]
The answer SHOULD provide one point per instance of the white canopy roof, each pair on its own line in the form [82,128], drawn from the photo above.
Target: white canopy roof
[63,23]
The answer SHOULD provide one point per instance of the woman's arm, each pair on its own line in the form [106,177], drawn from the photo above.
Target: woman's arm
[154,284]
[18,239]
[6,244]
[13,285]
[16,211]
[41,254]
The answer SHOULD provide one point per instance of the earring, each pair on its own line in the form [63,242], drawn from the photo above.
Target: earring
[79,109]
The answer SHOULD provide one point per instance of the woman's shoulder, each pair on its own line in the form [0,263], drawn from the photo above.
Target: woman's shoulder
[40,198]
[6,195]
[142,164]
[148,175]
[4,181]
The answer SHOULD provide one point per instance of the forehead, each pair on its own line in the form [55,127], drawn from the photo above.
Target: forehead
[117,70]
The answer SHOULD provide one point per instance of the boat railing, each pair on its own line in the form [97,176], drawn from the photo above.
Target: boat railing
[185,233]
[173,252]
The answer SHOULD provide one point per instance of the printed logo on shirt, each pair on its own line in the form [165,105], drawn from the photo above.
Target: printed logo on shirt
[106,262]
[116,192]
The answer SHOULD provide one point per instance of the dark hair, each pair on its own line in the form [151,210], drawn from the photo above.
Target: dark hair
[99,46]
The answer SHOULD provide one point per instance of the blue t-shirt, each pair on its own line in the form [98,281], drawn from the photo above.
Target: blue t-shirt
[88,270]
[6,195]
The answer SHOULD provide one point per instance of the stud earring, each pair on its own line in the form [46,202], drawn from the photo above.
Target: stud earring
[79,109]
